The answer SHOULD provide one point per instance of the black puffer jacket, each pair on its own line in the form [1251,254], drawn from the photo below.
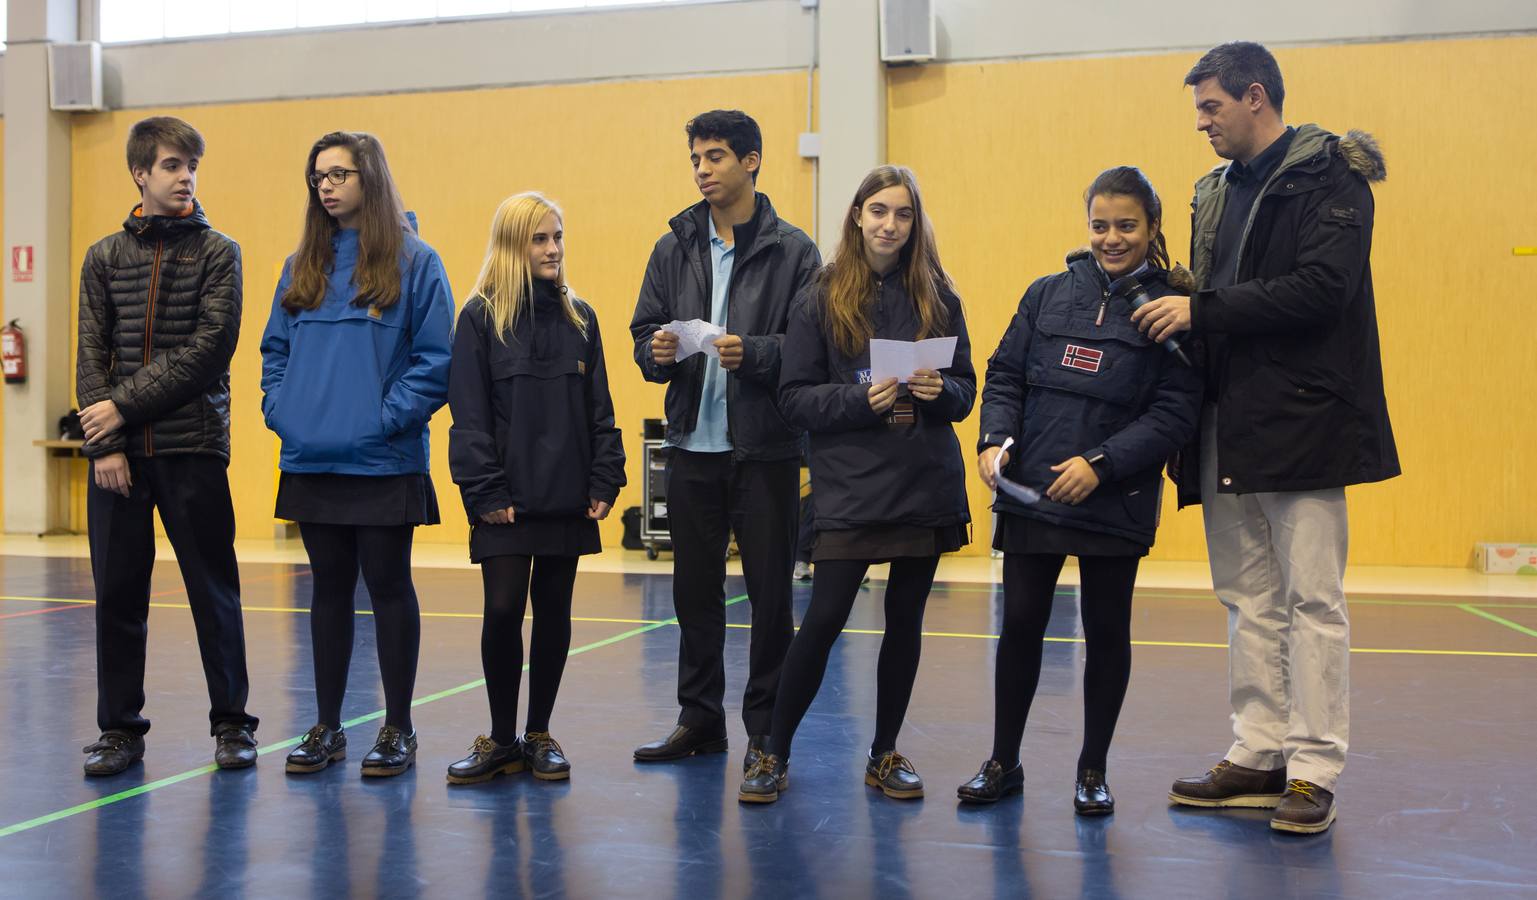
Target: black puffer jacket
[774,260]
[159,318]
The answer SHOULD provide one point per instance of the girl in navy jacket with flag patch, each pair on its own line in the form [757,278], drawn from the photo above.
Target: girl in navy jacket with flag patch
[536,455]
[1090,409]
[354,364]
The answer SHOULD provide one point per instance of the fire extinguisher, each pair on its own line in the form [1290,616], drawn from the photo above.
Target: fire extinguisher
[13,352]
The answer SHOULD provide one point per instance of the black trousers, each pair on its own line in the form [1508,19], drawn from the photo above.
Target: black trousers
[192,493]
[709,497]
[1029,585]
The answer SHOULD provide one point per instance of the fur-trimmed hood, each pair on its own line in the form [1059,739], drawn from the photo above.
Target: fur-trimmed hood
[1361,152]
[1358,148]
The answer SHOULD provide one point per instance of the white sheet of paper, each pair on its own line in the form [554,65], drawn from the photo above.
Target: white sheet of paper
[695,336]
[1012,488]
[934,353]
[890,359]
[900,359]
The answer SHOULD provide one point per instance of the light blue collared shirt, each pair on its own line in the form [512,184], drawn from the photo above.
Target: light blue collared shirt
[710,434]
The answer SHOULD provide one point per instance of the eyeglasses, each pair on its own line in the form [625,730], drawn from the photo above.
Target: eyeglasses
[335,176]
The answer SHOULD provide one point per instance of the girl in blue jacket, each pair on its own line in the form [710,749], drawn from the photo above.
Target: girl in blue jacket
[536,455]
[1082,408]
[354,364]
[886,468]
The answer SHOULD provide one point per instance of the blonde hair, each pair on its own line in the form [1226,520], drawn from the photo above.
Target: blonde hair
[506,281]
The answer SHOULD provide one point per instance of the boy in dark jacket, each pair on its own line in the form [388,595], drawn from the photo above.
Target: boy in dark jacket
[734,463]
[1281,250]
[159,317]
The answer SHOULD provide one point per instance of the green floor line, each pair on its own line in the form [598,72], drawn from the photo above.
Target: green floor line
[294,741]
[1494,618]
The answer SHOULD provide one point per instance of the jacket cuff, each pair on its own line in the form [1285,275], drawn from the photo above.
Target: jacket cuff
[606,494]
[491,505]
[1197,311]
[118,394]
[112,443]
[1100,462]
[991,439]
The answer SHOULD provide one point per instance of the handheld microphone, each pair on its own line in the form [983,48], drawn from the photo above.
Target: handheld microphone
[1136,294]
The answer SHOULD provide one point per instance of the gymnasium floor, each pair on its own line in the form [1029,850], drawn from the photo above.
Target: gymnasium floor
[1439,799]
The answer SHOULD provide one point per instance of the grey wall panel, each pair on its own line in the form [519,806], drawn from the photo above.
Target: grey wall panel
[661,41]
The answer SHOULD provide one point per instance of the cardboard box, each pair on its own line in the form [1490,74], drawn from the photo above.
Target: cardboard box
[1505,559]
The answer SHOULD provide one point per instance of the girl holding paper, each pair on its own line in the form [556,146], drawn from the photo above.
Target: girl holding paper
[539,462]
[887,470]
[1082,408]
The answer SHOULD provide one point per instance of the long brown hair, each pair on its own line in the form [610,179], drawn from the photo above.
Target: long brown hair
[382,226]
[849,282]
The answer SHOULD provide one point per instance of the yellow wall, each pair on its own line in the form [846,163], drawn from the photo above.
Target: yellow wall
[1005,150]
[613,154]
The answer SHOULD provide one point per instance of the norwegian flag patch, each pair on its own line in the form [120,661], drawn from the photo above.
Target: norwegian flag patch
[1082,358]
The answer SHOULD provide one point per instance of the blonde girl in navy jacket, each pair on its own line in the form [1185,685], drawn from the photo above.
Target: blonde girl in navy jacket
[536,455]
[354,364]
[1093,408]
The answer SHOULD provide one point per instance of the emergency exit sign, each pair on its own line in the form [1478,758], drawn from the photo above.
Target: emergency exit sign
[23,261]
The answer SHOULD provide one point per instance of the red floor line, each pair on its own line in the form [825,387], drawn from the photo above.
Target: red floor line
[51,609]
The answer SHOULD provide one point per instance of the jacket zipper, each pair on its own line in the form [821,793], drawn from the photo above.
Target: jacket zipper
[1104,297]
[149,332]
[736,267]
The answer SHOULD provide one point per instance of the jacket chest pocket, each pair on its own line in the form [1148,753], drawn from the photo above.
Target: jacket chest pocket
[512,367]
[1107,363]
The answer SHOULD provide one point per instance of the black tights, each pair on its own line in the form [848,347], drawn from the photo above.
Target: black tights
[508,584]
[383,554]
[834,588]
[1029,584]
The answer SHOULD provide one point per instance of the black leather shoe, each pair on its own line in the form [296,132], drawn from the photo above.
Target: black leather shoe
[683,741]
[1091,795]
[992,783]
[1305,808]
[756,743]
[235,747]
[767,776]
[545,757]
[320,747]
[894,774]
[394,752]
[113,752]
[1227,784]
[487,760]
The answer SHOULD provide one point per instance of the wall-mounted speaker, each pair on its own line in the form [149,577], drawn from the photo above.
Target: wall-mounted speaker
[907,31]
[74,76]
